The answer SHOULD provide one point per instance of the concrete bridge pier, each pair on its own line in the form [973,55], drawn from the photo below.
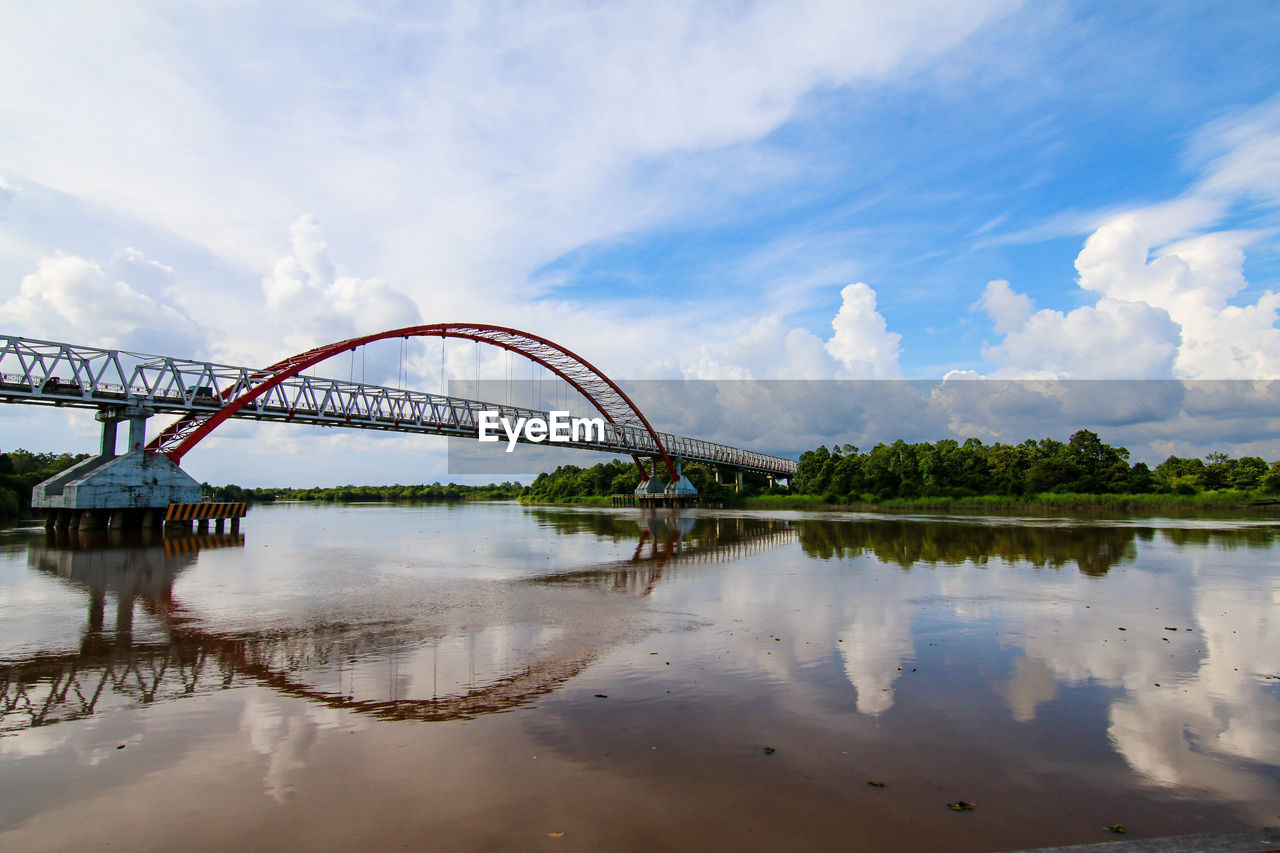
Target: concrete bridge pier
[92,519]
[115,491]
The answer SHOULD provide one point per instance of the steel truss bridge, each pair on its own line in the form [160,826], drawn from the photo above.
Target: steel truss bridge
[204,394]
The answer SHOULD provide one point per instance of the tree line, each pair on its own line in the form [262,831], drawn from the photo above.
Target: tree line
[20,472]
[1083,465]
[843,474]
[435,492]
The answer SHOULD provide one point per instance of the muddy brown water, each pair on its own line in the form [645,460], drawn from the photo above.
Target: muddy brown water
[494,676]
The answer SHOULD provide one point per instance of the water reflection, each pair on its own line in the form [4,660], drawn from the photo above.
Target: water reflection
[665,539]
[1093,548]
[983,655]
[401,665]
[111,668]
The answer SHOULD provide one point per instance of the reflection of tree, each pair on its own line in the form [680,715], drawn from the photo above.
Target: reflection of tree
[906,542]
[113,668]
[665,538]
[1256,536]
[615,526]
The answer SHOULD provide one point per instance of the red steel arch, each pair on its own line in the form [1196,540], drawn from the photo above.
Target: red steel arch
[610,400]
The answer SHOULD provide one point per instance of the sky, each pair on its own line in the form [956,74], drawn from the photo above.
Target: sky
[737,190]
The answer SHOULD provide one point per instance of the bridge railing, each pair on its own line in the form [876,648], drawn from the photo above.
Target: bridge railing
[53,373]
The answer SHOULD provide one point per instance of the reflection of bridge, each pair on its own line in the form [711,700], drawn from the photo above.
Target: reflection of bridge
[113,668]
[133,386]
[674,540]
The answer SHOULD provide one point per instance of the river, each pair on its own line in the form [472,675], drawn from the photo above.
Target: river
[494,676]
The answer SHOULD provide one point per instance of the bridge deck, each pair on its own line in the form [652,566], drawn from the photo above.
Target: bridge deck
[59,374]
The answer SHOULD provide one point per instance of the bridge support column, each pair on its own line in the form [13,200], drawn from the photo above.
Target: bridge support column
[737,485]
[108,432]
[92,519]
[138,427]
[97,608]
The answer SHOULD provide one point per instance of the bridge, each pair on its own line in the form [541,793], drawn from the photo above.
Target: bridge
[130,386]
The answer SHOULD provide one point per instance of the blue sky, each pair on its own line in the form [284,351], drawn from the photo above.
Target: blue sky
[765,190]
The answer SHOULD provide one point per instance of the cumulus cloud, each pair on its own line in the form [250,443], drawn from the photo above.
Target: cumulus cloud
[1191,281]
[860,347]
[1167,282]
[862,343]
[768,349]
[311,304]
[127,303]
[1110,340]
[1008,309]
[1166,315]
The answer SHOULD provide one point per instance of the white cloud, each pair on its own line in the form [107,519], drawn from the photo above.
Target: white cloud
[862,343]
[7,195]
[1243,154]
[311,304]
[1110,340]
[860,347]
[127,303]
[1160,268]
[1008,309]
[468,147]
[766,350]
[1192,281]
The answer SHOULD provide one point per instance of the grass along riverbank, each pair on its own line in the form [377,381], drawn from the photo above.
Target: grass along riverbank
[1221,500]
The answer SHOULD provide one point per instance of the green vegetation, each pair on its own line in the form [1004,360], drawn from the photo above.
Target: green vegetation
[1085,470]
[571,484]
[21,470]
[1083,474]
[432,493]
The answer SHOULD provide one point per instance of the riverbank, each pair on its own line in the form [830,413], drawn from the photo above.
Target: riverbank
[1218,501]
[1225,500]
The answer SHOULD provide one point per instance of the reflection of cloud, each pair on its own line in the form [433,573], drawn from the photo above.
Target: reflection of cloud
[873,647]
[1178,734]
[1032,684]
[1212,715]
[285,732]
[34,742]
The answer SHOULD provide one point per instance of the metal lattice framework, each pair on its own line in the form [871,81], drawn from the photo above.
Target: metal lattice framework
[205,393]
[599,390]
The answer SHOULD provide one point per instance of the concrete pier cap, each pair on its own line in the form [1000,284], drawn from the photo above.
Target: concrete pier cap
[136,480]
